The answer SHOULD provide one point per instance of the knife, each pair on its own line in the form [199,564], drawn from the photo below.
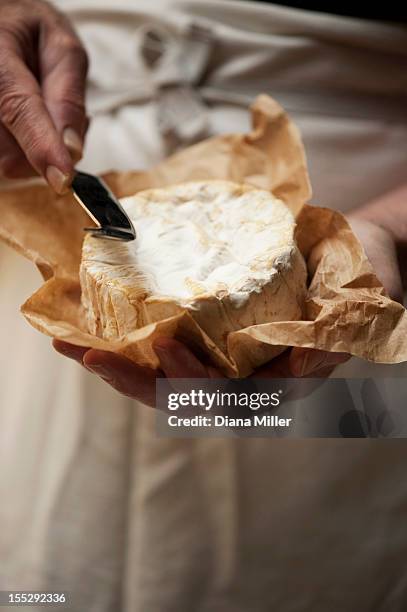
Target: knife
[102,207]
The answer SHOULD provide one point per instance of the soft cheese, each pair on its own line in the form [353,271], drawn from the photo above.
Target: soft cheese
[224,252]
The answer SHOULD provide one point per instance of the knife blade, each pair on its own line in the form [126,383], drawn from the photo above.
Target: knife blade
[102,207]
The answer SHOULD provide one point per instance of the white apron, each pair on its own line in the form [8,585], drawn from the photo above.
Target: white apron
[92,502]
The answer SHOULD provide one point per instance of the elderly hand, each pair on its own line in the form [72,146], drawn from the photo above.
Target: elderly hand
[177,361]
[42,86]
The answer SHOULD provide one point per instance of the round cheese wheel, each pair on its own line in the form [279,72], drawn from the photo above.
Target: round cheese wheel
[222,251]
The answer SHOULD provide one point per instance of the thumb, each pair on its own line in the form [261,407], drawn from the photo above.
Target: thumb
[64,66]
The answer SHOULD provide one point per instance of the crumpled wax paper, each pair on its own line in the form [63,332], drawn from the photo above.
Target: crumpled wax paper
[347,308]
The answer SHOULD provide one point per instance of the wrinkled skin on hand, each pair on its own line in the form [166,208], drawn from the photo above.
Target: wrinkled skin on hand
[43,68]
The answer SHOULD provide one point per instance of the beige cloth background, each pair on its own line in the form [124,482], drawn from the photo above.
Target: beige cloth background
[92,501]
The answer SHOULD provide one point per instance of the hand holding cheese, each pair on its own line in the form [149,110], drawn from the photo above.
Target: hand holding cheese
[381,227]
[224,252]
[177,361]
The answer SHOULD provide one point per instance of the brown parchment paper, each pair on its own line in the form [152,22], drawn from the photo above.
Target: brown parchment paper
[347,308]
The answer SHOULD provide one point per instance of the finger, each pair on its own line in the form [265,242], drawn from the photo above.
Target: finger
[380,248]
[64,65]
[13,163]
[305,362]
[385,263]
[24,114]
[70,350]
[123,375]
[177,361]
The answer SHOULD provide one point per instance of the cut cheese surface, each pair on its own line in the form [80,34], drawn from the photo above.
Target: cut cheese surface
[224,252]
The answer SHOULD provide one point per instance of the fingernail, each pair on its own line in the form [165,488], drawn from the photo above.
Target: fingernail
[73,142]
[57,179]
